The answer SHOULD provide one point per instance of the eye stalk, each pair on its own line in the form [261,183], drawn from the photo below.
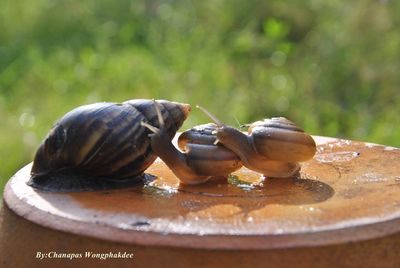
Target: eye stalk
[213,117]
[161,121]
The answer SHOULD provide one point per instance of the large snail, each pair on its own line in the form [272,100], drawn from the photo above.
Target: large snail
[272,147]
[102,145]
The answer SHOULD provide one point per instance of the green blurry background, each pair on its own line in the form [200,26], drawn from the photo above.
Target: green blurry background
[330,66]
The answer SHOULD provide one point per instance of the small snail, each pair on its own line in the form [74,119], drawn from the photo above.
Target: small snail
[204,154]
[102,145]
[201,157]
[272,147]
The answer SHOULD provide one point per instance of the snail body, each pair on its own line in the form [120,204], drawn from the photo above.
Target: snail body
[200,157]
[102,145]
[204,154]
[272,147]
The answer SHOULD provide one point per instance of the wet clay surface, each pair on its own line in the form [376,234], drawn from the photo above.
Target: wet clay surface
[346,184]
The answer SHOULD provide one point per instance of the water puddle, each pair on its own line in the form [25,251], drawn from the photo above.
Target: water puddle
[246,183]
[371,178]
[336,157]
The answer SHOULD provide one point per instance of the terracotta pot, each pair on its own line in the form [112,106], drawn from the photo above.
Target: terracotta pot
[341,210]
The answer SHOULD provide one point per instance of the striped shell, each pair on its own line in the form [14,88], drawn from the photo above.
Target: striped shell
[280,139]
[204,156]
[101,145]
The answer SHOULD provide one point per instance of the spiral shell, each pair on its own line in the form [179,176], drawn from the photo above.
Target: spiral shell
[204,155]
[101,145]
[280,139]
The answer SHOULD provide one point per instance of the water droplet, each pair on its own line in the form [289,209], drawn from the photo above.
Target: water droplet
[371,145]
[157,188]
[244,185]
[336,157]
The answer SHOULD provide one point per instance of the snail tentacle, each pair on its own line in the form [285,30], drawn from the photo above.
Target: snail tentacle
[159,115]
[161,121]
[150,127]
[213,117]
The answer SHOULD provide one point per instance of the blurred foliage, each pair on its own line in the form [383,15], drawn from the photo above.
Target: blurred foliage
[330,66]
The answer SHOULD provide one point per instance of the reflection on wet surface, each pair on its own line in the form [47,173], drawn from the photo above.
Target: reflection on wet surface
[346,181]
[245,184]
[246,189]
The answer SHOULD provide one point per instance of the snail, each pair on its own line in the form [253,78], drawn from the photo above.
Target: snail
[102,145]
[204,154]
[201,157]
[272,147]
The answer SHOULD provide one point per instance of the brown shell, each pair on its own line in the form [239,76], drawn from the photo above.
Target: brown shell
[96,145]
[203,155]
[280,139]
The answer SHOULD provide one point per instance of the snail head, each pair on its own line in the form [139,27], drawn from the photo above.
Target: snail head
[161,121]
[222,131]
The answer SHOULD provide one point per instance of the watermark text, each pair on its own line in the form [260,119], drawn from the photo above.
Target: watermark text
[83,255]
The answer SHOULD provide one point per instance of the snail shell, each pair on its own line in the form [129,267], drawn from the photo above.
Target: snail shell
[102,145]
[280,139]
[204,155]
[272,147]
